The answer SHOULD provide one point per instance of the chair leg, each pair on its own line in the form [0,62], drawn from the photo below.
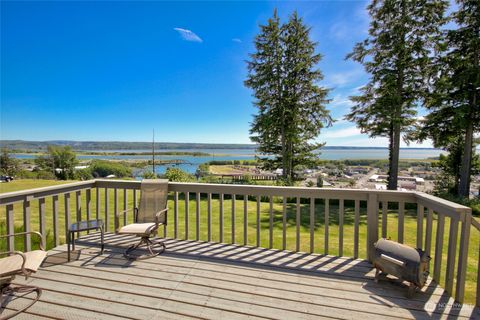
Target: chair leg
[149,244]
[10,290]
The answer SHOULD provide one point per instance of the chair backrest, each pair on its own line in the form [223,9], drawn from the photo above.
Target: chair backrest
[153,198]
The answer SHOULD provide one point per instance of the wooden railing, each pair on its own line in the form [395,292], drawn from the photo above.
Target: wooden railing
[245,203]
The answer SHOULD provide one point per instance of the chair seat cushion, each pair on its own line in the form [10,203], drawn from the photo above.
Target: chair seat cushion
[13,264]
[137,228]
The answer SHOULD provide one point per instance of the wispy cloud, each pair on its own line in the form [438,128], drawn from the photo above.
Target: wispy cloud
[340,101]
[342,133]
[188,35]
[237,40]
[340,79]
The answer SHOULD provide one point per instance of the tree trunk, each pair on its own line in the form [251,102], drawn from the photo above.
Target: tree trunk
[394,156]
[464,187]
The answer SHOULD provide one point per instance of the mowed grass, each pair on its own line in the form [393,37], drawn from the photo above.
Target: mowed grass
[237,215]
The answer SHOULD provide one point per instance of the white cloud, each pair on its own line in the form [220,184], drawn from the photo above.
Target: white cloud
[340,79]
[237,40]
[188,35]
[340,101]
[342,133]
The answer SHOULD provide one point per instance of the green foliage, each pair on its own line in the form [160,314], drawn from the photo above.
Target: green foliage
[83,174]
[102,168]
[310,183]
[453,98]
[8,164]
[149,175]
[178,175]
[291,106]
[59,160]
[448,181]
[397,55]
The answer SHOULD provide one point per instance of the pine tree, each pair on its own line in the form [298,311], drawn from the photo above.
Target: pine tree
[397,56]
[291,105]
[453,100]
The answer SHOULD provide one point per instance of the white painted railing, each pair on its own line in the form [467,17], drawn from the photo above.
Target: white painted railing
[372,203]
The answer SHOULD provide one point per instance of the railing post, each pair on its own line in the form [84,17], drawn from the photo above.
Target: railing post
[463,256]
[372,224]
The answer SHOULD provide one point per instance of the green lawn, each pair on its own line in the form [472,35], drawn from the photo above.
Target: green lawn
[409,237]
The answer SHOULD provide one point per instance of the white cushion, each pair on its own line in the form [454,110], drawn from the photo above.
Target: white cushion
[137,228]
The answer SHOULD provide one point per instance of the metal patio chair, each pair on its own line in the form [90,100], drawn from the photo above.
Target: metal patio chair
[148,217]
[19,263]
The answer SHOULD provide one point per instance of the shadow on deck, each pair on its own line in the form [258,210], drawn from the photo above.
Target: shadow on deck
[221,281]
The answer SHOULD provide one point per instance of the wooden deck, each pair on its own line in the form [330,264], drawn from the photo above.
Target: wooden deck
[220,281]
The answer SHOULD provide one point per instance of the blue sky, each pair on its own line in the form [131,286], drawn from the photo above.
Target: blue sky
[115,70]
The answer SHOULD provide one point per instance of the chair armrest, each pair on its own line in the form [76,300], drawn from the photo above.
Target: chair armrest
[42,244]
[24,259]
[159,213]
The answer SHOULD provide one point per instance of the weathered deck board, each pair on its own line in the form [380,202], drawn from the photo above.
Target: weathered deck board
[219,281]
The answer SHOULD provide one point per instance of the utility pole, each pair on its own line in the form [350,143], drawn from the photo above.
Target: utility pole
[153,153]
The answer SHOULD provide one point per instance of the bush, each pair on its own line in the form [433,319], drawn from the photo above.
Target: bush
[178,175]
[149,175]
[102,168]
[83,174]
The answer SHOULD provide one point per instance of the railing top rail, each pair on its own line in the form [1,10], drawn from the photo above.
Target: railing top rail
[38,193]
[440,205]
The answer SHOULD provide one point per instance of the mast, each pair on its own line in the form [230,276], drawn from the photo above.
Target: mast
[153,152]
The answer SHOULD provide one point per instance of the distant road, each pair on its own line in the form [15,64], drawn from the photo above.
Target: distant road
[363,180]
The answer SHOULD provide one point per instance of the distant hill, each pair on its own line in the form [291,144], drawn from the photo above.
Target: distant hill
[22,145]
[115,145]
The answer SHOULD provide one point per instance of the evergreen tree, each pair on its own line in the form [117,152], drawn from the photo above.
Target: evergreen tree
[397,56]
[58,157]
[291,105]
[453,99]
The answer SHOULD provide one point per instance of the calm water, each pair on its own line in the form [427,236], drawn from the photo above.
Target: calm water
[192,162]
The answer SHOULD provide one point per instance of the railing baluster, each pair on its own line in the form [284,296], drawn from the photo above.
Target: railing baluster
[270,238]
[340,227]
[41,216]
[284,223]
[88,200]
[78,207]
[438,248]
[384,218]
[233,218]
[97,203]
[428,232]
[258,221]
[221,217]
[56,239]
[209,217]
[463,258]
[26,225]
[107,205]
[420,216]
[452,252]
[312,225]
[197,213]
[187,208]
[125,206]
[115,208]
[356,229]
[245,220]
[297,220]
[67,216]
[401,220]
[135,198]
[372,225]
[175,214]
[327,216]
[10,227]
